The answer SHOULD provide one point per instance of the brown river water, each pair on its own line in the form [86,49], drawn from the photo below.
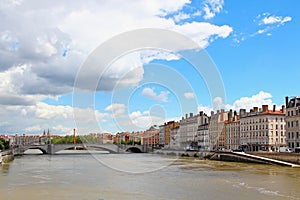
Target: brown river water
[143,176]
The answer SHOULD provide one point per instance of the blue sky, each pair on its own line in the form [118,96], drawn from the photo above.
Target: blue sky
[254,45]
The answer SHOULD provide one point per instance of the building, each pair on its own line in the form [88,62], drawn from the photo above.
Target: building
[168,126]
[232,128]
[262,129]
[188,130]
[151,136]
[162,135]
[203,137]
[174,141]
[292,122]
[217,133]
[202,132]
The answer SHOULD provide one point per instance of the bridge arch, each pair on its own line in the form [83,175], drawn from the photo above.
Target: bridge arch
[134,150]
[39,148]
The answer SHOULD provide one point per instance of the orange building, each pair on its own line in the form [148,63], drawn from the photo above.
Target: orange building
[167,131]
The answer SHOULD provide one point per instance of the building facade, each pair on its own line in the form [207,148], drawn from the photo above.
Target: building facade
[188,130]
[151,136]
[293,123]
[217,132]
[262,130]
[161,135]
[174,143]
[167,131]
[232,128]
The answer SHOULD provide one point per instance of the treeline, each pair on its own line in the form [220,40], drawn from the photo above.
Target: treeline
[4,144]
[66,140]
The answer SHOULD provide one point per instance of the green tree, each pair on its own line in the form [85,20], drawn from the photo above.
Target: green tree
[4,144]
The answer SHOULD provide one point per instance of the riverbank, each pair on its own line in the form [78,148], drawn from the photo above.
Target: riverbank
[6,156]
[288,159]
[182,153]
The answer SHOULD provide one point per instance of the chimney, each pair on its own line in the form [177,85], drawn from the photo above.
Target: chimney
[201,113]
[265,108]
[212,113]
[230,115]
[242,112]
[191,114]
[286,101]
[186,116]
[255,109]
[283,109]
[274,108]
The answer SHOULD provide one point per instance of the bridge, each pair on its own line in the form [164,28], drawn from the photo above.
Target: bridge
[111,148]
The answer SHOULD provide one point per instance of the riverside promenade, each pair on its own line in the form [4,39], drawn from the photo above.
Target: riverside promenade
[283,159]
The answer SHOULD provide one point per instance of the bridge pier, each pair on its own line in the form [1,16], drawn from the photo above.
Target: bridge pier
[50,149]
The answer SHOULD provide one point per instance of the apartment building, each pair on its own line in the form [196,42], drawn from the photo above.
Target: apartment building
[217,132]
[262,129]
[292,123]
[232,128]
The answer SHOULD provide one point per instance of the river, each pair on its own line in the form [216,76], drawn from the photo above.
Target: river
[143,176]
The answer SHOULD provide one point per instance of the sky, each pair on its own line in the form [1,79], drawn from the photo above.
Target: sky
[110,66]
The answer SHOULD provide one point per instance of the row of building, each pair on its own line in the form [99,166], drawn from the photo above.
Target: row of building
[260,129]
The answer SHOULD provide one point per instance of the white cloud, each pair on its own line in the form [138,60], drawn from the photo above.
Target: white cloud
[202,32]
[116,109]
[55,45]
[212,7]
[42,53]
[257,100]
[149,93]
[262,98]
[143,120]
[33,128]
[189,95]
[276,19]
[181,16]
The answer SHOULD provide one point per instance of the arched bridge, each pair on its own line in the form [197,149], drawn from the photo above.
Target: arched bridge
[111,148]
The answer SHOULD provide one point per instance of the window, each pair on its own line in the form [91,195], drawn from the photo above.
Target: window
[292,113]
[292,135]
[276,119]
[297,135]
[289,135]
[289,124]
[292,123]
[288,113]
[276,126]
[276,133]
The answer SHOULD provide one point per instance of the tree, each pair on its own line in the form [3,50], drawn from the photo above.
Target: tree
[4,144]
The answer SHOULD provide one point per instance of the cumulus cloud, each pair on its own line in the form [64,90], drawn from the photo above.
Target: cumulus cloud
[54,46]
[257,100]
[42,53]
[150,93]
[189,95]
[212,7]
[116,109]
